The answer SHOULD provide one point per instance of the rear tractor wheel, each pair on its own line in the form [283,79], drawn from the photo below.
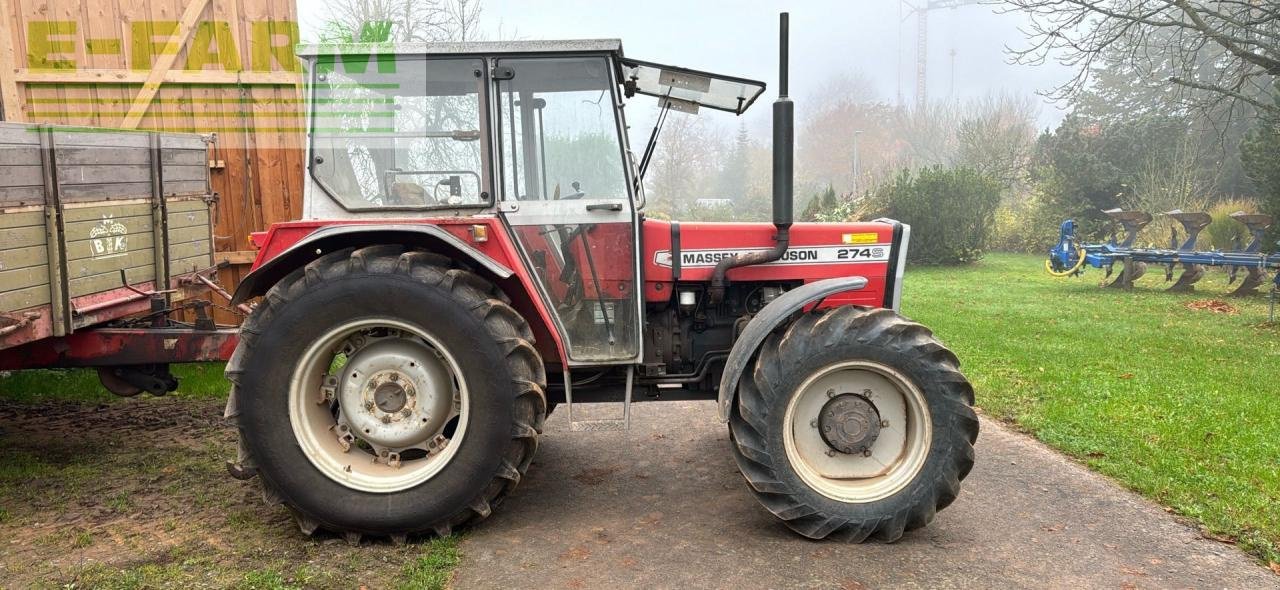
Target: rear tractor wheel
[855,423]
[383,392]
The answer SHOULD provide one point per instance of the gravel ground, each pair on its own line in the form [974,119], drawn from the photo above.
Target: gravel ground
[664,506]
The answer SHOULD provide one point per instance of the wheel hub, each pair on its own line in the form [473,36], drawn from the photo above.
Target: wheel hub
[394,394]
[849,423]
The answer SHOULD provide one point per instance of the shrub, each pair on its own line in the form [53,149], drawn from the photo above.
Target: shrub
[1026,225]
[1225,233]
[951,212]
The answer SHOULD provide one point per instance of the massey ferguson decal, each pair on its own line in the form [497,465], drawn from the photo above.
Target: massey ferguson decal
[794,255]
[108,239]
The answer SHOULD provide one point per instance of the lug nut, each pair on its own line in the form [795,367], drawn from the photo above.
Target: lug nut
[813,423]
[394,377]
[368,406]
[386,419]
[831,392]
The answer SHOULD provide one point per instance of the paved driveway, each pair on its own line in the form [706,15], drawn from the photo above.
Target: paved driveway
[664,506]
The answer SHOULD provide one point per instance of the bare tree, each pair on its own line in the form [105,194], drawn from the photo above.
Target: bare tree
[996,136]
[1207,52]
[404,21]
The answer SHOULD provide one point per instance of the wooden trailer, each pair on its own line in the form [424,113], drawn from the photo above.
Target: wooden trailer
[97,226]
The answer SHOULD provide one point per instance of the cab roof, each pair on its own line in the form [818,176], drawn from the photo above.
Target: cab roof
[464,48]
[679,88]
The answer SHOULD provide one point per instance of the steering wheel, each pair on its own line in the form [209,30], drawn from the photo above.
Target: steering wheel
[577,192]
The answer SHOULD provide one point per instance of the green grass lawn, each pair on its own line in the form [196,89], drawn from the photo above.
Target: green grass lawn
[1178,404]
[1181,405]
[197,380]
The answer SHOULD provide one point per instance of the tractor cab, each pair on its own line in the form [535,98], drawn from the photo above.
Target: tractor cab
[529,132]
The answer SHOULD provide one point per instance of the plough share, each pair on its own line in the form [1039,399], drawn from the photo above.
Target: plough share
[1069,256]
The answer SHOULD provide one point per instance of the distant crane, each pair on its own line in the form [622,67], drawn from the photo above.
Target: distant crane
[921,9]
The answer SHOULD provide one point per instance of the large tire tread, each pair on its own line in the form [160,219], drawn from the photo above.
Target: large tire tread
[486,303]
[759,396]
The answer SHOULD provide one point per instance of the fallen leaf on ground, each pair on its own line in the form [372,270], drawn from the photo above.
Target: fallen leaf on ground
[1213,305]
[1216,537]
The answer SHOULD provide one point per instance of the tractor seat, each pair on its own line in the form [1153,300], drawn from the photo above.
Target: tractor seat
[408,194]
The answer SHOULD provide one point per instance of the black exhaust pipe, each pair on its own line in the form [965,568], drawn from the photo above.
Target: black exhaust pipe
[783,175]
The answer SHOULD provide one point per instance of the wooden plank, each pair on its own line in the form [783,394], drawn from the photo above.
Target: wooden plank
[184,235]
[88,267]
[21,278]
[98,155]
[128,76]
[24,257]
[83,249]
[237,257]
[183,205]
[19,155]
[10,97]
[179,172]
[21,195]
[136,224]
[76,193]
[21,219]
[11,133]
[188,219]
[198,157]
[103,174]
[24,298]
[185,187]
[189,265]
[21,176]
[99,138]
[168,56]
[181,141]
[189,249]
[110,280]
[21,237]
[95,211]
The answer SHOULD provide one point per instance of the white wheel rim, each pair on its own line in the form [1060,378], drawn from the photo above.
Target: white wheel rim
[411,387]
[893,460]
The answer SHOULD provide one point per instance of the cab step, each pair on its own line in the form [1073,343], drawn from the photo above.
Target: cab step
[603,424]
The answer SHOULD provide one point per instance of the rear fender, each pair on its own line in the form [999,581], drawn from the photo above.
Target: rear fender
[769,319]
[336,237]
[516,283]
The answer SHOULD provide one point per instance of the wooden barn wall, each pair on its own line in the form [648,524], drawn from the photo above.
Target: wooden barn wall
[94,63]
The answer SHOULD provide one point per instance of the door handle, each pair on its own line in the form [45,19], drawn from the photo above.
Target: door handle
[615,206]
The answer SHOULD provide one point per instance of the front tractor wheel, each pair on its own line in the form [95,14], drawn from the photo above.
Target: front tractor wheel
[384,392]
[855,423]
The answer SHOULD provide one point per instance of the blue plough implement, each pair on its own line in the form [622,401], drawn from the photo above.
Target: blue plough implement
[1069,257]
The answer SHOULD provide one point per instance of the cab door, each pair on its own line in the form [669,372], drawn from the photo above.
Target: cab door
[567,195]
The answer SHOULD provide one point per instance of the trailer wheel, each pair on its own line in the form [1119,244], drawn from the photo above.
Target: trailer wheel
[384,392]
[854,423]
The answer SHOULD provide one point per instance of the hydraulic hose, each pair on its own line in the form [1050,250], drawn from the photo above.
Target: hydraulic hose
[1048,266]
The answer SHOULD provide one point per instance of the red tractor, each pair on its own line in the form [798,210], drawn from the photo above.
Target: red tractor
[474,254]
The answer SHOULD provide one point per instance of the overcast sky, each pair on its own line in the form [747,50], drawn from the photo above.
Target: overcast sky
[827,37]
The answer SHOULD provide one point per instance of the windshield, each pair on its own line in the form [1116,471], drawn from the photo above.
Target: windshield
[398,133]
